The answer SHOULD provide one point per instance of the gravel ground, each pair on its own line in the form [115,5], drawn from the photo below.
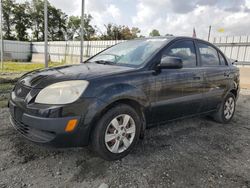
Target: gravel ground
[189,153]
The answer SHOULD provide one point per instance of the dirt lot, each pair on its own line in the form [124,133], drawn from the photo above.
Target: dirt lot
[189,153]
[245,76]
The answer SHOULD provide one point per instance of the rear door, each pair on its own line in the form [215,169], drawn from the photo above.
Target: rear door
[216,74]
[178,92]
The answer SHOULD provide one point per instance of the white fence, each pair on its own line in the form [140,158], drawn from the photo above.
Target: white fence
[69,51]
[236,47]
[59,51]
[17,50]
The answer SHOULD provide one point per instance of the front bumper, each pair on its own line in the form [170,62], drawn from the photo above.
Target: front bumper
[46,124]
[41,130]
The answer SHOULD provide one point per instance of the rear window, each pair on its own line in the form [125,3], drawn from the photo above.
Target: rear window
[209,55]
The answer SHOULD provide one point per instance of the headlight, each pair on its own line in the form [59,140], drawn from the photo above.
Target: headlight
[62,92]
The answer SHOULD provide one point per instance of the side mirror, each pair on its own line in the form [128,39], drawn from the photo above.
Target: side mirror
[170,63]
[234,61]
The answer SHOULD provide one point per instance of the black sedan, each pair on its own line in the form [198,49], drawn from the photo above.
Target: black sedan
[109,100]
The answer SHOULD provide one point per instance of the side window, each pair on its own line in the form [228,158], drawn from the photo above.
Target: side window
[209,55]
[222,59]
[184,50]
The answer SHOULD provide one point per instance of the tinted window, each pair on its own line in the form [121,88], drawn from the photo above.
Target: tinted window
[184,50]
[222,60]
[209,55]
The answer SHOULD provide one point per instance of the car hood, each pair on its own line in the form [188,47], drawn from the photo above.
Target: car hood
[44,77]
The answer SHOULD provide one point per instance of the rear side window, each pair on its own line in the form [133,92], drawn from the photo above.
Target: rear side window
[222,60]
[209,55]
[184,50]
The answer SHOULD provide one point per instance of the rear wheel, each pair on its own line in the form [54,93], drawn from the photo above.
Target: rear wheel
[116,133]
[226,110]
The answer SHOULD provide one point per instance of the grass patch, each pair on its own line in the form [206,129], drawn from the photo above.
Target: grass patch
[6,87]
[3,103]
[5,94]
[4,99]
[12,67]
[11,72]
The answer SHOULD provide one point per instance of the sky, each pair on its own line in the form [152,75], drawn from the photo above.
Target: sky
[177,17]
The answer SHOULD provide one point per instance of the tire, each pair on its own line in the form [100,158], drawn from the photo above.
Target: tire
[223,116]
[113,138]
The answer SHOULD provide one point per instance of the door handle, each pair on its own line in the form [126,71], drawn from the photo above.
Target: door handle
[196,77]
[226,74]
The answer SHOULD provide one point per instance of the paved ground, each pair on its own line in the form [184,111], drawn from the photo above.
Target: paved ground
[189,153]
[245,77]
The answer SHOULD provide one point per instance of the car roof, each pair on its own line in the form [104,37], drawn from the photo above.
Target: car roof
[171,37]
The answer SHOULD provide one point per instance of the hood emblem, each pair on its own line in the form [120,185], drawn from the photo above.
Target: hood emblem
[19,91]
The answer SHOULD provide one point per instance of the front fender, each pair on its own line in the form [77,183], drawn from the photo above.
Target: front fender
[124,91]
[110,95]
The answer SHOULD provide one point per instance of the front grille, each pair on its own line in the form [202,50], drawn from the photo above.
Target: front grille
[32,134]
[21,91]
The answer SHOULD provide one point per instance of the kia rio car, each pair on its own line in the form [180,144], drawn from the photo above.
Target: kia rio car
[108,101]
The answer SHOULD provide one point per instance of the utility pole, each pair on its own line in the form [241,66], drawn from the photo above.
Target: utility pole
[82,32]
[46,33]
[1,33]
[209,32]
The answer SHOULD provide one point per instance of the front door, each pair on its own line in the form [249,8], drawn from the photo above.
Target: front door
[178,92]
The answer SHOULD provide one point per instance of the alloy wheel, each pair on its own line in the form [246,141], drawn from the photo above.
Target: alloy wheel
[229,108]
[120,133]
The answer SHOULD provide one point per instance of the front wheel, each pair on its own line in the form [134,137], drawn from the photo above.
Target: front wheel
[116,133]
[226,110]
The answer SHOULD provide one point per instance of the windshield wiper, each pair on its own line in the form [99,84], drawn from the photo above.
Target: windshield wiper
[104,62]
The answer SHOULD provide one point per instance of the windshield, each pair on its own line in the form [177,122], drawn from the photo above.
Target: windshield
[131,53]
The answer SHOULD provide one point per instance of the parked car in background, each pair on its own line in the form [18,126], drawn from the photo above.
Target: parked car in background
[111,99]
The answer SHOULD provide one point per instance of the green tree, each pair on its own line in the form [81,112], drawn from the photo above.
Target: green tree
[56,24]
[74,28]
[22,21]
[125,33]
[37,18]
[19,18]
[154,33]
[135,32]
[114,32]
[8,7]
[89,30]
[111,32]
